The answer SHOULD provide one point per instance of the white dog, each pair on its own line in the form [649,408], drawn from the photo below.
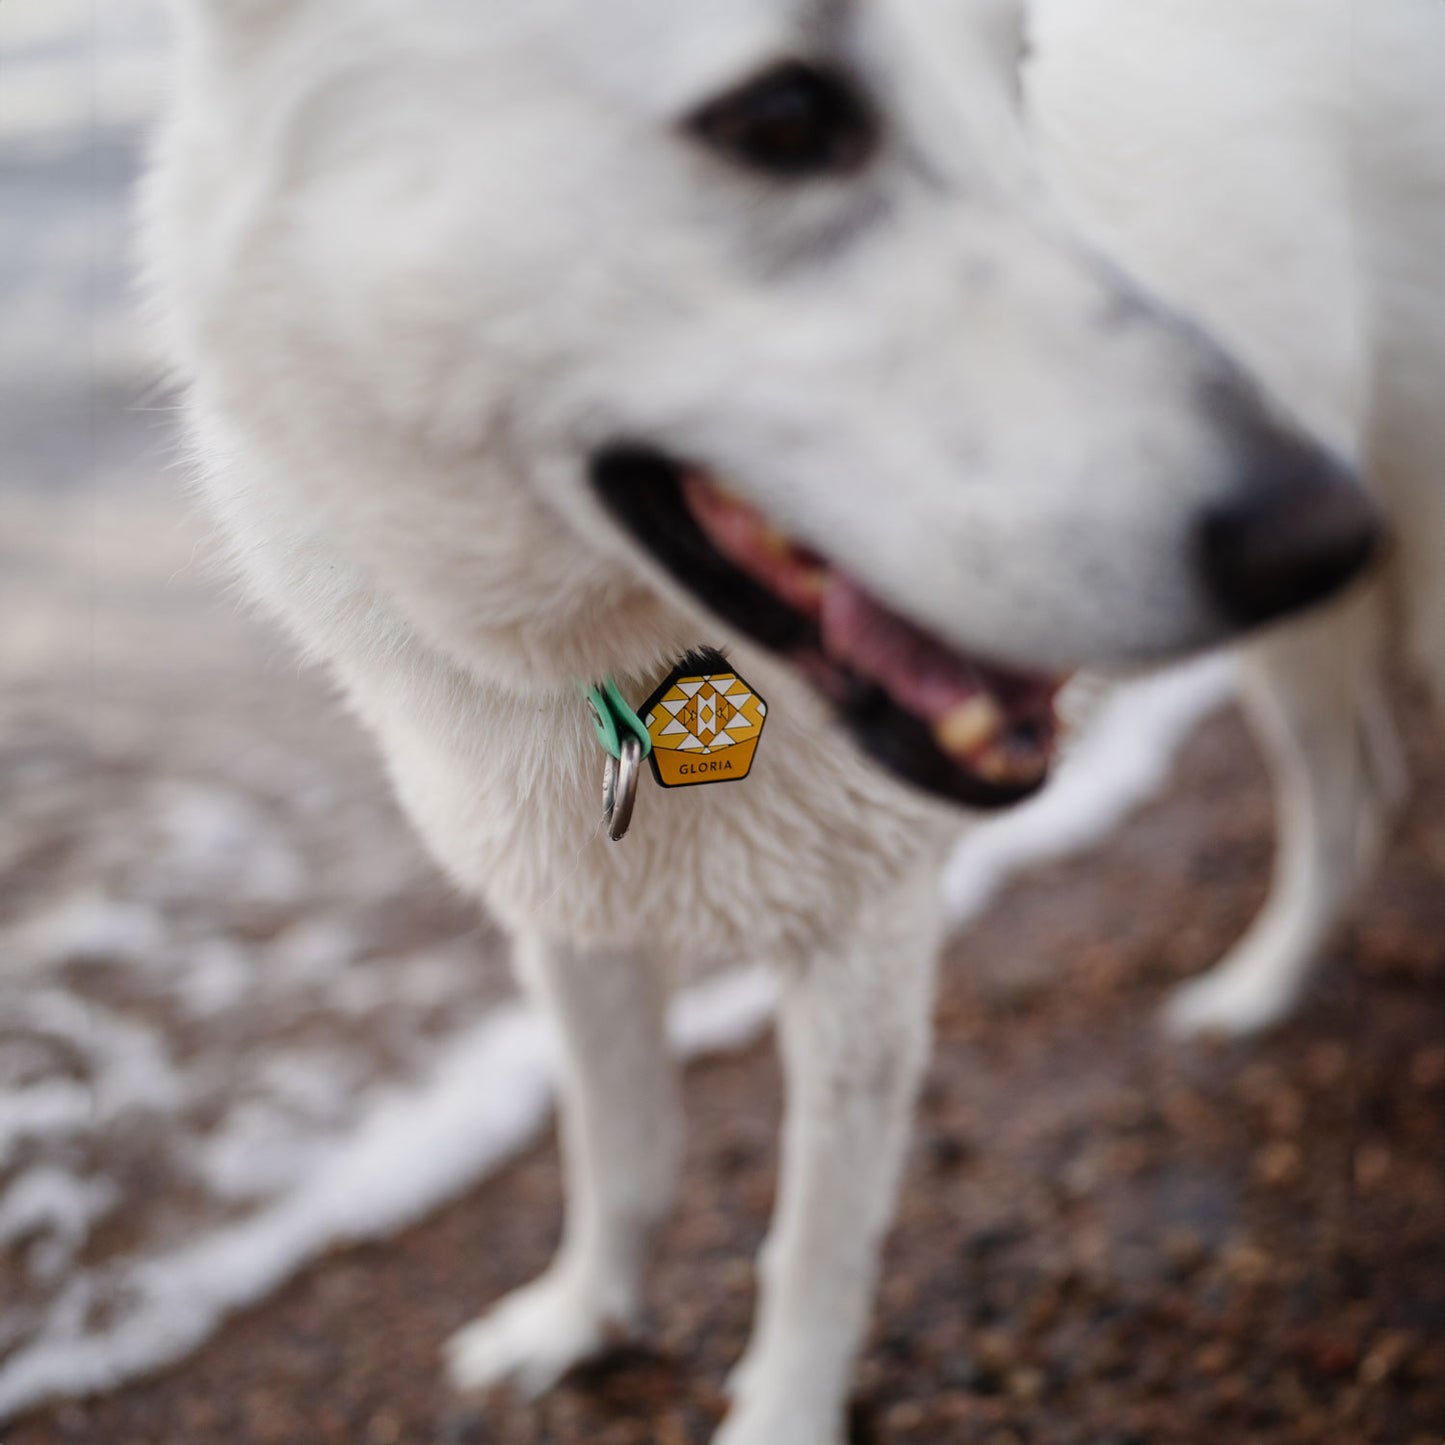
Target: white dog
[1278,168]
[537,342]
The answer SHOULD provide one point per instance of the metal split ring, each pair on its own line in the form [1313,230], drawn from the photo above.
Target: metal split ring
[619,788]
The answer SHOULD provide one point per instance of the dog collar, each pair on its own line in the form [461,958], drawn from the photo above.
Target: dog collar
[701,725]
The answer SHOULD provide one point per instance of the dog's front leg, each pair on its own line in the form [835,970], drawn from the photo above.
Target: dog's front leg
[620,1143]
[854,1032]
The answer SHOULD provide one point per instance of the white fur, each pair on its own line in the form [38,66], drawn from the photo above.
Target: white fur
[415,262]
[1278,169]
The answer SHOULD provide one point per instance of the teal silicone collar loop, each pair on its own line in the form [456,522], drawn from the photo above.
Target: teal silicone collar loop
[613,718]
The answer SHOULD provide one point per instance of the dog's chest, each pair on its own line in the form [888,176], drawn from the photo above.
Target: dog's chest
[508,794]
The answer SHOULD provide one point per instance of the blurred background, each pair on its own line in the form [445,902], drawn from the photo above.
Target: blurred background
[220,948]
[244,1029]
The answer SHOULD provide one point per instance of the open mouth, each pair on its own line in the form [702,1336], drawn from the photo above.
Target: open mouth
[953,725]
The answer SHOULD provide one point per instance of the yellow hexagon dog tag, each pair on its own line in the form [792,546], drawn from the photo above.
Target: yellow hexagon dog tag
[704,722]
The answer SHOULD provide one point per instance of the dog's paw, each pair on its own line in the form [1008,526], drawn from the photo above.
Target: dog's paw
[776,1407]
[776,1424]
[1236,1000]
[532,1338]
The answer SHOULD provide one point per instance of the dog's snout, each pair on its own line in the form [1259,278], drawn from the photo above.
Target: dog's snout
[1297,531]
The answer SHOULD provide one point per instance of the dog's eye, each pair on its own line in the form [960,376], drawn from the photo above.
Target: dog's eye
[794,121]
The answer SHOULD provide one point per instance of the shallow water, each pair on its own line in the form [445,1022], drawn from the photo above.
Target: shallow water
[78,85]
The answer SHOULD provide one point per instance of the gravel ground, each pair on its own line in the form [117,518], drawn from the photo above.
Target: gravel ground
[1103,1240]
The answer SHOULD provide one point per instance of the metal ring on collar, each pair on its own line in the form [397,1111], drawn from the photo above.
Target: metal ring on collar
[619,788]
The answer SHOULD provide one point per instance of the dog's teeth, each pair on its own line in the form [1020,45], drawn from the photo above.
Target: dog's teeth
[1004,768]
[773,542]
[970,725]
[995,766]
[813,582]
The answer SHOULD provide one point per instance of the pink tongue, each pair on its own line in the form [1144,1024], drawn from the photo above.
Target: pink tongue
[915,671]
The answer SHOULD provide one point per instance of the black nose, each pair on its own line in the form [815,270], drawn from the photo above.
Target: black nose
[1298,530]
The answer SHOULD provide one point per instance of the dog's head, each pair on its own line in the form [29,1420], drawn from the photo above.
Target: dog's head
[540,311]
